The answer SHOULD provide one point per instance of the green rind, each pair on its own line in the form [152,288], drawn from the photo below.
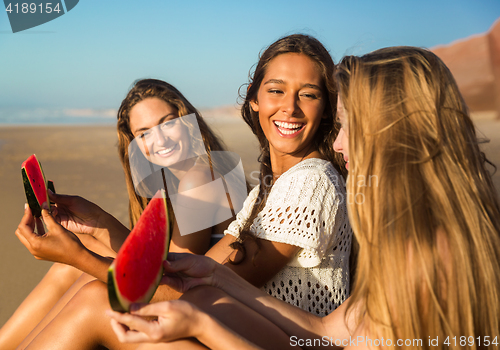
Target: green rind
[112,293]
[44,180]
[35,207]
[116,301]
[50,186]
[33,203]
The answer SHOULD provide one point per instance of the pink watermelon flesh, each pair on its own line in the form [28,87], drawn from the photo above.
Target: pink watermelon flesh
[34,181]
[136,272]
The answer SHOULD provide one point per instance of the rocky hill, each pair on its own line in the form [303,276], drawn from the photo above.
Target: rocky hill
[475,64]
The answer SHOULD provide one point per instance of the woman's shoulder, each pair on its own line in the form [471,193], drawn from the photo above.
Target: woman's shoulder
[198,175]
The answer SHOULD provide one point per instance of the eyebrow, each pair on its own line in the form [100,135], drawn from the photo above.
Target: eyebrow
[162,120]
[280,81]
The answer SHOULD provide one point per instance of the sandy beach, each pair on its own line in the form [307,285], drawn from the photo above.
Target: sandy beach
[84,160]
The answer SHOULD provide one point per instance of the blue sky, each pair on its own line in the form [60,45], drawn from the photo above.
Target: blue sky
[88,58]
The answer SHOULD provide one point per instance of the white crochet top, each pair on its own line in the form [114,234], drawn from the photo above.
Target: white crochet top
[306,208]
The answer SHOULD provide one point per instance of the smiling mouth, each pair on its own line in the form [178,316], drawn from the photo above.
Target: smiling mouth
[288,128]
[166,151]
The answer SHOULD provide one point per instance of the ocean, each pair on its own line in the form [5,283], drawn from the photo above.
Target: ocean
[10,116]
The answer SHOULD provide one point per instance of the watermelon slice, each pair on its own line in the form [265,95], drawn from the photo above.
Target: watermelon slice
[136,272]
[35,185]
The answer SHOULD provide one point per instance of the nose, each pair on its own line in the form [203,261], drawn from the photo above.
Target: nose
[337,145]
[159,137]
[290,104]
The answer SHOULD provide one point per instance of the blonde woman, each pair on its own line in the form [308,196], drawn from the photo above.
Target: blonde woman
[428,229]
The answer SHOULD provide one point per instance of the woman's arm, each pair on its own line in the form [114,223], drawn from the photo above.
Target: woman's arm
[263,258]
[184,271]
[59,245]
[176,320]
[79,215]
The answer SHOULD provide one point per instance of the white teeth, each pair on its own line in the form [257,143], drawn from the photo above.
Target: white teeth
[288,128]
[166,150]
[286,132]
[288,125]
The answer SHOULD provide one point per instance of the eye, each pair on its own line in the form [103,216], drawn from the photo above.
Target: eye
[275,91]
[310,95]
[145,135]
[168,124]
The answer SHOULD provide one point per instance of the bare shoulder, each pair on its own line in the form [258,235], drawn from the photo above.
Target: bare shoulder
[198,175]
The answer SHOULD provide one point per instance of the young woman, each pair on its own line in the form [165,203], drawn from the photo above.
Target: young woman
[292,237]
[153,118]
[428,229]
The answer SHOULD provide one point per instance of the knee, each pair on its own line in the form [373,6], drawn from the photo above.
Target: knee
[64,272]
[91,298]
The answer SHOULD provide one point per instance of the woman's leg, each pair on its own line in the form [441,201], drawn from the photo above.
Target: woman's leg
[80,282]
[37,304]
[59,282]
[236,316]
[81,324]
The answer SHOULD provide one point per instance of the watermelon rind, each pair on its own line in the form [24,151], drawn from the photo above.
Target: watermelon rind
[50,186]
[33,202]
[117,300]
[36,210]
[117,303]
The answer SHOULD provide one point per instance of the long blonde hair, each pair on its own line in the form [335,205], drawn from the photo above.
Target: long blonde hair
[428,221]
[148,88]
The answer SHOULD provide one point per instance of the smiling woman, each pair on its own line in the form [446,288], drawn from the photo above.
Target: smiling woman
[153,113]
[290,104]
[159,132]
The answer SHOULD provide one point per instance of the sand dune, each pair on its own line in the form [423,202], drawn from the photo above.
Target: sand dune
[475,64]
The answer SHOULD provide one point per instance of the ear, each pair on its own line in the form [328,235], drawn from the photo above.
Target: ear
[255,105]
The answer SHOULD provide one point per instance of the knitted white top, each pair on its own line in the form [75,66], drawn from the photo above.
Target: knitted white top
[306,208]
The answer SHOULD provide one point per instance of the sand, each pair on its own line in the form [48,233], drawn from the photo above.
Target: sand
[84,160]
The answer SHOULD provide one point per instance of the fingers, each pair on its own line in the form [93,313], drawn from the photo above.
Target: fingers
[153,309]
[48,219]
[26,227]
[130,328]
[173,282]
[125,335]
[25,231]
[61,198]
[177,262]
[27,219]
[23,239]
[40,229]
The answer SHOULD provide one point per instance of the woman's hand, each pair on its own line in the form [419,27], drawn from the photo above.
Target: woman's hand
[176,320]
[54,244]
[184,271]
[76,214]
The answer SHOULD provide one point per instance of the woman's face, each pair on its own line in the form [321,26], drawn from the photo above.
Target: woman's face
[341,144]
[159,133]
[290,103]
